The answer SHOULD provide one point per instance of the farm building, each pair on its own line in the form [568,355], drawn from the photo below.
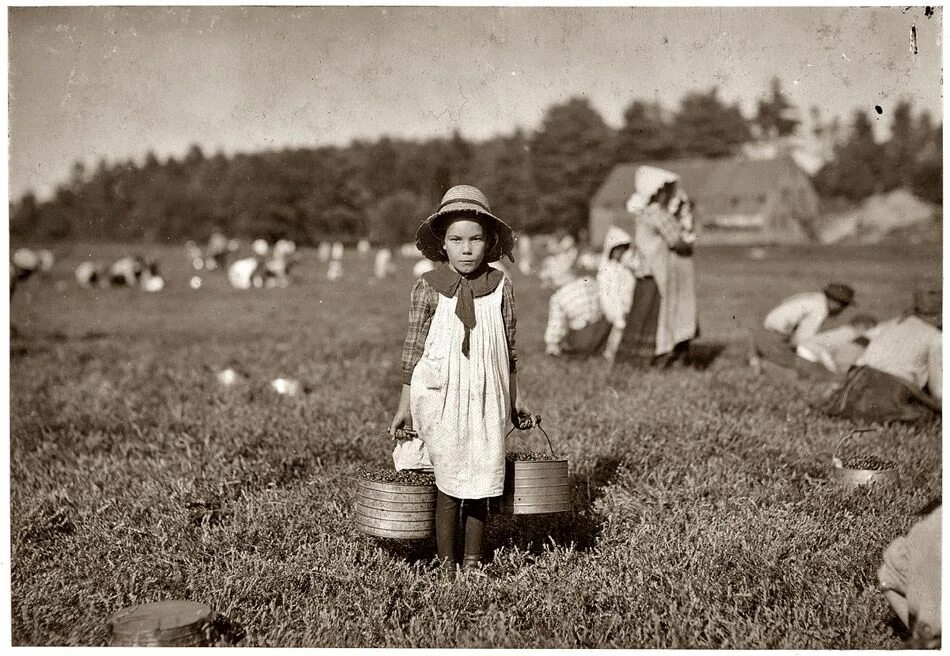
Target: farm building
[767,201]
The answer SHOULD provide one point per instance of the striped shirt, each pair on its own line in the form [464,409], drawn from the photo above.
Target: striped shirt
[572,307]
[422,303]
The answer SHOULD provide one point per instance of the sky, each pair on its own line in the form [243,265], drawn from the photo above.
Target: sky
[115,82]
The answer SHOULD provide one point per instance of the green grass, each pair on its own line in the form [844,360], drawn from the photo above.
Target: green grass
[703,512]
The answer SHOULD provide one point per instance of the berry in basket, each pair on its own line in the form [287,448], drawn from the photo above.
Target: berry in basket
[867,462]
[531,456]
[404,477]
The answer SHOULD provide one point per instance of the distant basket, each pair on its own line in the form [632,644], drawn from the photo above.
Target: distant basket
[535,482]
[862,470]
[161,624]
[393,509]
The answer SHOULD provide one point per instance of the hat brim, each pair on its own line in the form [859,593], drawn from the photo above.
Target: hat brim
[429,241]
[846,302]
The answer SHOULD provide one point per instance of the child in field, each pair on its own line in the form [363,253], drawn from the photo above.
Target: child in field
[616,282]
[576,324]
[460,391]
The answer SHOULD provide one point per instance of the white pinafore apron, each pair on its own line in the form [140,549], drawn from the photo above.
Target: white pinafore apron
[460,405]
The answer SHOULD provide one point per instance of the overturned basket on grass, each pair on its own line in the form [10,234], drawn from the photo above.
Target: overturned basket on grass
[399,505]
[862,469]
[536,482]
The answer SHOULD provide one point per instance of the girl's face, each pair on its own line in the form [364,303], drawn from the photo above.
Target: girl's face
[465,245]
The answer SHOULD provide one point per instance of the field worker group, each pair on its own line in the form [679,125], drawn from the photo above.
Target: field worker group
[459,370]
[881,372]
[645,284]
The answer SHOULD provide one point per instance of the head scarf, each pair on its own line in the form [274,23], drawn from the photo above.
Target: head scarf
[647,181]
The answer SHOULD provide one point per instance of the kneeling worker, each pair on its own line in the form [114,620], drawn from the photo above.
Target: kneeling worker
[576,324]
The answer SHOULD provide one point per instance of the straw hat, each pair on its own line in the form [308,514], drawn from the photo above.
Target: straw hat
[463,199]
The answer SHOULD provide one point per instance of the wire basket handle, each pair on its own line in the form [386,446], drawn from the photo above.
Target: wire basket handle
[866,429]
[537,424]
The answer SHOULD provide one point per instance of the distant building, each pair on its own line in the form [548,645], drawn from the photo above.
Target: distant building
[762,201]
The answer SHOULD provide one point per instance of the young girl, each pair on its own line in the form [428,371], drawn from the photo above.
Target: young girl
[615,282]
[460,390]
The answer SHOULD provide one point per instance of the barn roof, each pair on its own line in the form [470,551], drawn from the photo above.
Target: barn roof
[703,179]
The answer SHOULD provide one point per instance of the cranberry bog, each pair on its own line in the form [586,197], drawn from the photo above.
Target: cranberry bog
[703,513]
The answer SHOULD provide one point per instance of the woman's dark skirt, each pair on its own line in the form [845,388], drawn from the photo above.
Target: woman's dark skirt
[638,344]
[588,340]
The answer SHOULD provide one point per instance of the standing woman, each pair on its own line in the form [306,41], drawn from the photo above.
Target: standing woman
[662,320]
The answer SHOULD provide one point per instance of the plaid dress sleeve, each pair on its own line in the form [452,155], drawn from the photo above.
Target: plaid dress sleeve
[509,315]
[664,223]
[422,304]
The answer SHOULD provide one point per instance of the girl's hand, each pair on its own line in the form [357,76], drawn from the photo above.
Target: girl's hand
[682,248]
[401,420]
[522,418]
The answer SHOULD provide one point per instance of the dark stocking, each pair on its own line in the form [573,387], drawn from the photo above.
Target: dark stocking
[446,525]
[474,515]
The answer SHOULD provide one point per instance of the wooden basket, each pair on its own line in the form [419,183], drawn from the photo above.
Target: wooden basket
[534,487]
[851,477]
[396,511]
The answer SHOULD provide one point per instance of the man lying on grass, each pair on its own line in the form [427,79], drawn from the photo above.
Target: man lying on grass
[899,375]
[797,319]
[831,353]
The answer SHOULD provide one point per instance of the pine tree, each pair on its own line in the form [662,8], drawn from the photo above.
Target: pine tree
[569,159]
[645,135]
[776,115]
[706,127]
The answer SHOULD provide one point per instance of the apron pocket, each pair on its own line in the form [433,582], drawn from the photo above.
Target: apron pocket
[430,372]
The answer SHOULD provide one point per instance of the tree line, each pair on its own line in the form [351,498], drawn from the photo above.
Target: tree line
[540,181]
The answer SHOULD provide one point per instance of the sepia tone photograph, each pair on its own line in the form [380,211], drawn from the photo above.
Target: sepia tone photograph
[512,327]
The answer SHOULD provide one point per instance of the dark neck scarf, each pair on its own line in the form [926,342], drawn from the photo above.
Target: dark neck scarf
[449,282]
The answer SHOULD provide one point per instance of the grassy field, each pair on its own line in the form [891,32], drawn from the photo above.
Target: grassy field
[703,512]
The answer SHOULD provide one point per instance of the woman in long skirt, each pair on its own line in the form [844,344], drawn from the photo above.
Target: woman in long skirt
[662,319]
